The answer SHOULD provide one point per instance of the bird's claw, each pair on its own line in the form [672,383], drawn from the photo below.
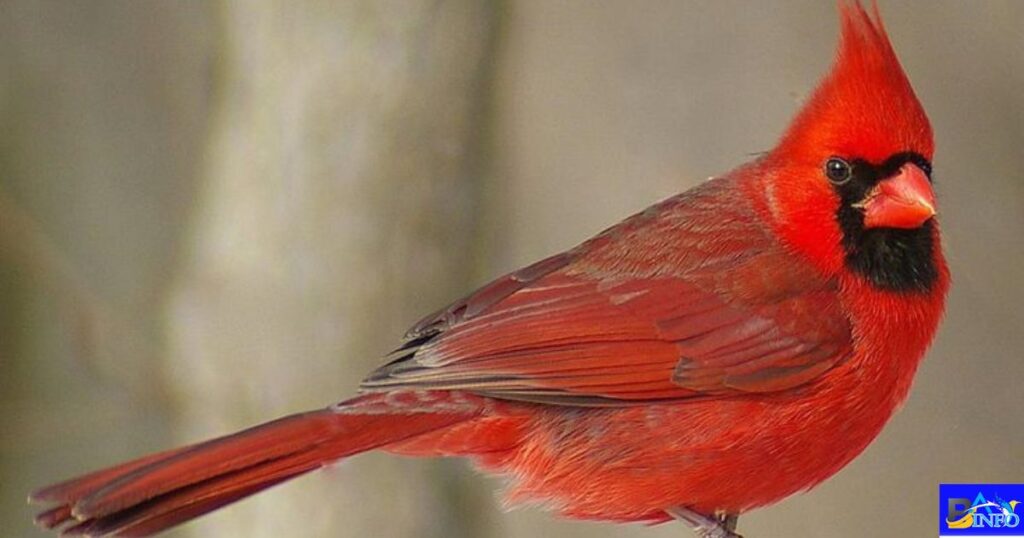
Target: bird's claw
[705,526]
[716,532]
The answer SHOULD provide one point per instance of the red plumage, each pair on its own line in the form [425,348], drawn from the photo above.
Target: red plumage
[717,352]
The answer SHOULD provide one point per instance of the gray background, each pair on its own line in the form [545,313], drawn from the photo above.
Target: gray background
[215,213]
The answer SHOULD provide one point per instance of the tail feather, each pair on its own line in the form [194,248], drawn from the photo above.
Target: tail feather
[277,439]
[146,527]
[165,511]
[53,517]
[192,501]
[76,487]
[156,492]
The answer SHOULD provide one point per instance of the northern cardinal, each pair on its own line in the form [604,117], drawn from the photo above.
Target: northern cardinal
[721,350]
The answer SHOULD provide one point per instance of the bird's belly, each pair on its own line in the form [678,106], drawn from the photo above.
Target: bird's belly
[631,463]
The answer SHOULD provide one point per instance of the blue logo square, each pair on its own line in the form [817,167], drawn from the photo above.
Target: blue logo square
[981,509]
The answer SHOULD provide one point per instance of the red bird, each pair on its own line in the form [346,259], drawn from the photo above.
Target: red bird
[717,352]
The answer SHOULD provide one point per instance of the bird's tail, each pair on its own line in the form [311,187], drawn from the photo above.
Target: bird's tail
[145,496]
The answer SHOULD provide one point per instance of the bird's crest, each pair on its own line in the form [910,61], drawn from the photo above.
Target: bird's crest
[865,106]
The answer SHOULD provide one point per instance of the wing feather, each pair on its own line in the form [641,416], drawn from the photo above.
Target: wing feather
[712,306]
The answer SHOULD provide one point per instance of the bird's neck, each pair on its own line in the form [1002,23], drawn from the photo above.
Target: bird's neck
[892,331]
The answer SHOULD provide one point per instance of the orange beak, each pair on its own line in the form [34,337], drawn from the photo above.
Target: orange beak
[905,200]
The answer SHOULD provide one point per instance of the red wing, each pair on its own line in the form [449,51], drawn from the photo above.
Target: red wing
[573,340]
[691,297]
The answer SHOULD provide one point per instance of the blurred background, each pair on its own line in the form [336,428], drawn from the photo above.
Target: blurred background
[215,213]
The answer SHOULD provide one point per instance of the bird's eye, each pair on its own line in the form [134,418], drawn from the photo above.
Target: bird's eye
[926,167]
[838,171]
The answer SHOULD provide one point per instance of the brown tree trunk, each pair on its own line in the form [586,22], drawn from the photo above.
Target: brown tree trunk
[338,204]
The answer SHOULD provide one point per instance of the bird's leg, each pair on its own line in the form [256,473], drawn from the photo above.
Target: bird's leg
[729,521]
[721,525]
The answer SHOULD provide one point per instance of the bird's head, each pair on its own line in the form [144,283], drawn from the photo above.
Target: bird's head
[849,184]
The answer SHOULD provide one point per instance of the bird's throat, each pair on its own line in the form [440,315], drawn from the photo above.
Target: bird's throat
[891,259]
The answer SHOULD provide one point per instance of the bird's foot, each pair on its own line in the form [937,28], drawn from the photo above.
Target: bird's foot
[718,526]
